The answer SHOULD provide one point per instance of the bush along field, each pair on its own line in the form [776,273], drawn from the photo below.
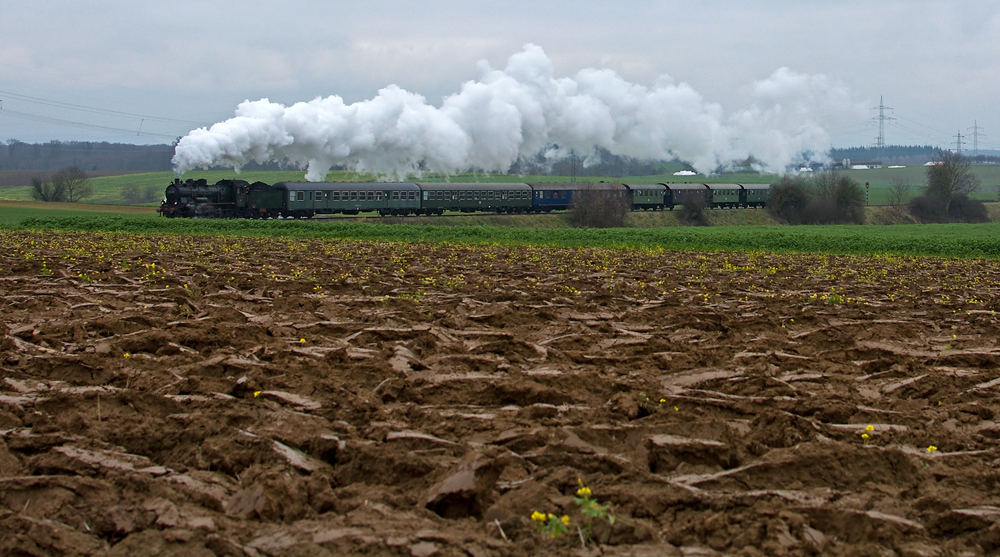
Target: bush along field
[185,394]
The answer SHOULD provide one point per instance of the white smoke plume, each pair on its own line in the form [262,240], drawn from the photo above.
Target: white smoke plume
[520,111]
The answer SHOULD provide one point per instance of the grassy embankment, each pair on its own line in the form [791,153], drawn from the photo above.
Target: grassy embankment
[107,190]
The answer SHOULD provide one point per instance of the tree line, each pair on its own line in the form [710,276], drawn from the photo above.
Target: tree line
[89,155]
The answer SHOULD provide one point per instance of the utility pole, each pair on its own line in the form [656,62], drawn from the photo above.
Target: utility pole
[881,120]
[958,142]
[976,134]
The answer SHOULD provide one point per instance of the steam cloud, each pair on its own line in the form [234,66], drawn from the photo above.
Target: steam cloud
[524,110]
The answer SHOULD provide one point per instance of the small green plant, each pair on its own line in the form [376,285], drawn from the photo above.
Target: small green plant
[554,526]
[551,524]
[950,346]
[651,406]
[591,511]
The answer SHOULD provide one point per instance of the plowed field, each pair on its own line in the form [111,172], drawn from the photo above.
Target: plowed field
[172,395]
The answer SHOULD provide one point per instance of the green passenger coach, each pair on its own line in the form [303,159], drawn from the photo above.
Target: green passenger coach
[437,197]
[305,199]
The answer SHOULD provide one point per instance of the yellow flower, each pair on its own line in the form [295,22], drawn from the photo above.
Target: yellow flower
[869,428]
[931,449]
[126,355]
[302,340]
[864,436]
[565,519]
[256,394]
[538,517]
[583,491]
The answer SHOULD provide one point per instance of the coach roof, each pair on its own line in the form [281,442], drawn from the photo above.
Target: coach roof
[346,186]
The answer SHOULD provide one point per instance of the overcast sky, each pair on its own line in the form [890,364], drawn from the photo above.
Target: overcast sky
[149,72]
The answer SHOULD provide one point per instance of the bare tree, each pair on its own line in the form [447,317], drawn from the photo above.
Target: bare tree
[899,192]
[75,182]
[42,191]
[950,175]
[824,185]
[131,194]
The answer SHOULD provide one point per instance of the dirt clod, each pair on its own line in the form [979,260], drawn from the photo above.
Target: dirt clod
[252,396]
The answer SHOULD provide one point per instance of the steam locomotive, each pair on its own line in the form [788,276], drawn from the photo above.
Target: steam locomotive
[258,200]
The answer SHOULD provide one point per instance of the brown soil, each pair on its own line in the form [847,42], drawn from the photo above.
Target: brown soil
[233,396]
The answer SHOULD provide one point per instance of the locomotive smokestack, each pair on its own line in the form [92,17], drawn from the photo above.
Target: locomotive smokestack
[521,111]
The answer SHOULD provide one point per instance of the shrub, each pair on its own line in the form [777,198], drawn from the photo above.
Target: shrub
[788,199]
[849,199]
[820,211]
[965,209]
[692,212]
[42,191]
[826,199]
[131,194]
[600,207]
[960,208]
[928,208]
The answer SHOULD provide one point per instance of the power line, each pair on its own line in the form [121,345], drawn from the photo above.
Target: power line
[82,108]
[958,142]
[80,125]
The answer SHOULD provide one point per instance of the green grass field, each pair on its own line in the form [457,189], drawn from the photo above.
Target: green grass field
[13,212]
[107,190]
[948,240]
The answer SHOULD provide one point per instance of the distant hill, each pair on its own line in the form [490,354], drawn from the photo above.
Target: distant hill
[90,156]
[93,157]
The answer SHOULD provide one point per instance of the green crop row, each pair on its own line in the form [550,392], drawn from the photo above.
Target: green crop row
[943,240]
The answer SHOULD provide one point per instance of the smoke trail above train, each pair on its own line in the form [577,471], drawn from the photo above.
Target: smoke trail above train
[523,110]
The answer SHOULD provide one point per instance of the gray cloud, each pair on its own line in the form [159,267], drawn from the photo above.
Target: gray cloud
[935,62]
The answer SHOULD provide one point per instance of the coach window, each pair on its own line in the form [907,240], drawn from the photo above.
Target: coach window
[300,196]
[336,196]
[319,196]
